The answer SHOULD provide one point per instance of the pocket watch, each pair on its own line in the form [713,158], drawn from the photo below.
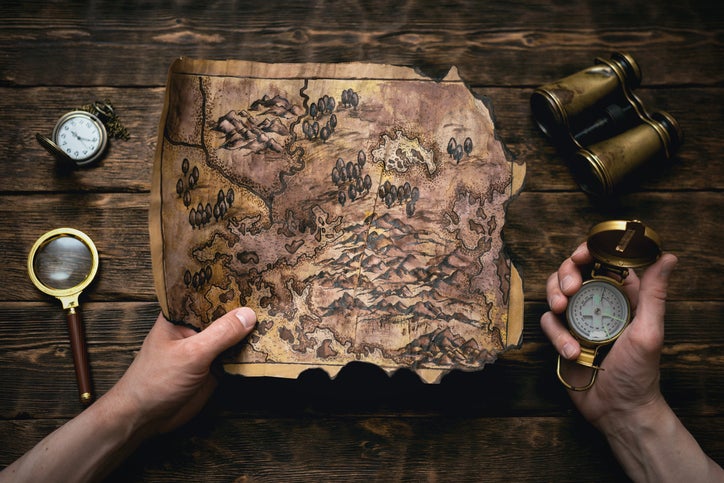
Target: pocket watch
[79,137]
[600,311]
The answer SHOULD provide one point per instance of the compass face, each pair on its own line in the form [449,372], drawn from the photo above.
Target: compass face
[598,312]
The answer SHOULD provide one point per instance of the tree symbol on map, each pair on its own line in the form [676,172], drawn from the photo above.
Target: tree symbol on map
[359,215]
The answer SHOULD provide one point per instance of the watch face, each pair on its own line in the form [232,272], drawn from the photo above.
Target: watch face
[598,312]
[80,135]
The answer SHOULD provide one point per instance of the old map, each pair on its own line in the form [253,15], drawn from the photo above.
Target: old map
[357,208]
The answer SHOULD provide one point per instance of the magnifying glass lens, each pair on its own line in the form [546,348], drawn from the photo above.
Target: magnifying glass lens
[63,262]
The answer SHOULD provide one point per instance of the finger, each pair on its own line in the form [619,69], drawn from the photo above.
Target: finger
[569,273]
[631,286]
[560,337]
[557,301]
[223,333]
[567,280]
[569,277]
[652,298]
[170,331]
[581,255]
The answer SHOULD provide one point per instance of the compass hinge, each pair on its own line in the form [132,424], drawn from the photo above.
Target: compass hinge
[587,357]
[614,274]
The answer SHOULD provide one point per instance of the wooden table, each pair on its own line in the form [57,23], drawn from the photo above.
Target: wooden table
[510,422]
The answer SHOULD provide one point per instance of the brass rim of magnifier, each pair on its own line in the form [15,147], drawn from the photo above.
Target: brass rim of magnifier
[57,233]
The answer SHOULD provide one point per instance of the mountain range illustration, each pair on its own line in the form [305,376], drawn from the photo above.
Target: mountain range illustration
[393,280]
[443,347]
[259,132]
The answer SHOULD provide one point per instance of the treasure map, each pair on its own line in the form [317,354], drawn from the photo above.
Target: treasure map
[357,208]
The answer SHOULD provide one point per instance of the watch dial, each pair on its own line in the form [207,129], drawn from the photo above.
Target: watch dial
[598,312]
[79,136]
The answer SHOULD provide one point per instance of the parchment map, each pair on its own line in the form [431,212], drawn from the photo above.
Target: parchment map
[356,208]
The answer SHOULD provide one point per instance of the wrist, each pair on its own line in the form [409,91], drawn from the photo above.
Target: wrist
[86,448]
[632,421]
[653,445]
[635,437]
[125,414]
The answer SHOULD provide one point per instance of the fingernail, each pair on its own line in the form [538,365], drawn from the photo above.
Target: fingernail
[578,250]
[568,350]
[246,317]
[566,283]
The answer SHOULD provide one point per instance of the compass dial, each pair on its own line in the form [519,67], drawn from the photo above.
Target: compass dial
[598,312]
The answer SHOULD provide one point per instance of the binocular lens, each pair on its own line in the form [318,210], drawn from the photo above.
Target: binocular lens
[594,115]
[603,167]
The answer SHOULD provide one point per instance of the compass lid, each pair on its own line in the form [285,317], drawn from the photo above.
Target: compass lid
[625,244]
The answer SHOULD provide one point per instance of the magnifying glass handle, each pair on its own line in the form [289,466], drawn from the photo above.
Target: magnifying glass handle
[80,355]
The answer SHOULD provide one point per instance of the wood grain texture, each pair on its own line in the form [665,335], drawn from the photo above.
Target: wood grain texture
[364,448]
[538,234]
[532,41]
[510,422]
[41,385]
[127,166]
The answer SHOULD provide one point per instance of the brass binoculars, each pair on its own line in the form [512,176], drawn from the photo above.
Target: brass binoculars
[594,118]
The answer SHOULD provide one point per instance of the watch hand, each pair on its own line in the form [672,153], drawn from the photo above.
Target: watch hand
[80,139]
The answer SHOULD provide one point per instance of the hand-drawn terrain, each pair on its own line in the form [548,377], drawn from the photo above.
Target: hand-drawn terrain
[357,209]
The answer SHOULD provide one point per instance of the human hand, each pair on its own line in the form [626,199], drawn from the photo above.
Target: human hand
[629,381]
[169,380]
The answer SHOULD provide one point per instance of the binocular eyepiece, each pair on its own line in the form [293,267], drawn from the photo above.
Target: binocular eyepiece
[594,118]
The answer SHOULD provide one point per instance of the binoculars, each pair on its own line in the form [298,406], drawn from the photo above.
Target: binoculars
[594,118]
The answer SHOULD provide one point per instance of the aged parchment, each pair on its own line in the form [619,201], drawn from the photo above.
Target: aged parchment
[357,208]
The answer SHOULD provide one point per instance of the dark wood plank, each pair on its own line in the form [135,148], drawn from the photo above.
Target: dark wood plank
[319,448]
[697,164]
[542,229]
[511,421]
[530,42]
[117,223]
[128,164]
[34,342]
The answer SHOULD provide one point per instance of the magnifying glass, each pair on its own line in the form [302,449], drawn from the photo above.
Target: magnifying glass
[62,263]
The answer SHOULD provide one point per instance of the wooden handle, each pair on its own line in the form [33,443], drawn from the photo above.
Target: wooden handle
[80,356]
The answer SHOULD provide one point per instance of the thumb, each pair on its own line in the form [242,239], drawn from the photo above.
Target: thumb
[652,297]
[224,332]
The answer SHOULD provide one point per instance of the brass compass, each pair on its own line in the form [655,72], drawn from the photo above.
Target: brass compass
[600,311]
